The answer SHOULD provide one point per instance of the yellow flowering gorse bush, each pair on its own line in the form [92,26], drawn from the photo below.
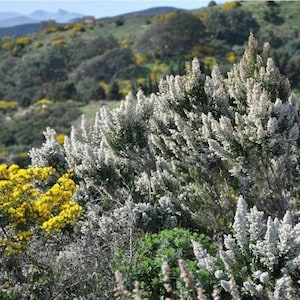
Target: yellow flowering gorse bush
[8,105]
[26,208]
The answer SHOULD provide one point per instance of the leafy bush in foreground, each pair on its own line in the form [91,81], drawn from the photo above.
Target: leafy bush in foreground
[259,260]
[150,252]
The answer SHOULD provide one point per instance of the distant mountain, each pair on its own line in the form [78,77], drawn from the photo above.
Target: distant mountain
[60,16]
[8,15]
[20,30]
[10,19]
[19,20]
[11,22]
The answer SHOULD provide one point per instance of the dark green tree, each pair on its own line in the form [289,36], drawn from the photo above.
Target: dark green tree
[175,35]
[114,92]
[54,64]
[212,3]
[63,91]
[232,26]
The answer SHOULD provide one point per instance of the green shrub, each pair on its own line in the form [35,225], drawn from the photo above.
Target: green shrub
[258,260]
[151,251]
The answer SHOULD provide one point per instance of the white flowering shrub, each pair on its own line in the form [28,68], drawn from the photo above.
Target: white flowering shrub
[199,142]
[177,134]
[261,255]
[258,142]
[181,157]
[51,154]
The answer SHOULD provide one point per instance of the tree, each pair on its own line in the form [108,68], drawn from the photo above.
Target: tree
[287,58]
[233,25]
[54,64]
[120,21]
[89,48]
[271,13]
[64,90]
[212,4]
[175,35]
[97,92]
[114,91]
[106,66]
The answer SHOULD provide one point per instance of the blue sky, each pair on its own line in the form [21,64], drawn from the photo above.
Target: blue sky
[97,8]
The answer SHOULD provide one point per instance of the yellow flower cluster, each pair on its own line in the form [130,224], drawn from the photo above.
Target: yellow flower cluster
[7,105]
[52,29]
[43,101]
[166,16]
[25,208]
[23,41]
[58,42]
[231,5]
[78,27]
[105,86]
[159,69]
[60,138]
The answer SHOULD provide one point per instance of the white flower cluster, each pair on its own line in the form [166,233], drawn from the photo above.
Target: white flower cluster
[51,154]
[263,257]
[257,137]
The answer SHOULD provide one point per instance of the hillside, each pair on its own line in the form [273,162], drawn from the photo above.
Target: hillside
[77,64]
[10,19]
[14,24]
[19,30]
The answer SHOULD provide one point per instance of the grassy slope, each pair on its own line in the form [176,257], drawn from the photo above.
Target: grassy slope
[136,24]
[288,11]
[90,109]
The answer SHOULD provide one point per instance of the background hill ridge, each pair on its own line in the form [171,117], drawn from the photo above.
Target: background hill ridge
[10,19]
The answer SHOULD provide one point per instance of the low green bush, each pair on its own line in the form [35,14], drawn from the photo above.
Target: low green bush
[143,263]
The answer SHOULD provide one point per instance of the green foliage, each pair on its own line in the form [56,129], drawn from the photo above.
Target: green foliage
[287,58]
[174,35]
[212,3]
[120,21]
[271,14]
[114,92]
[150,252]
[27,129]
[6,136]
[258,260]
[32,66]
[90,47]
[96,92]
[63,90]
[232,25]
[23,131]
